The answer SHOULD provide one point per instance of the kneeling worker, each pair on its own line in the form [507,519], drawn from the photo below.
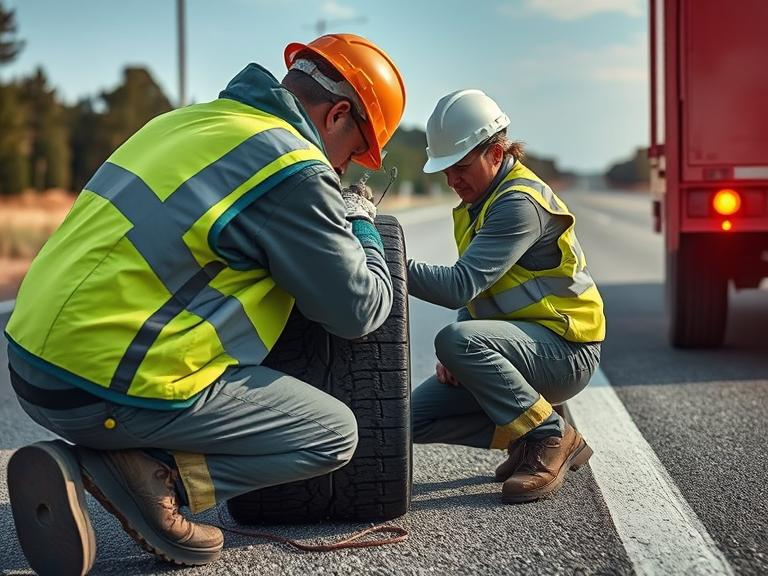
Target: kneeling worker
[140,329]
[530,318]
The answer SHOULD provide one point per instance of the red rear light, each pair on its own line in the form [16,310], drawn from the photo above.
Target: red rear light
[726,202]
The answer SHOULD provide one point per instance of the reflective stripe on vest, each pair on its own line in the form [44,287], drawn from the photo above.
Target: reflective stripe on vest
[224,316]
[564,299]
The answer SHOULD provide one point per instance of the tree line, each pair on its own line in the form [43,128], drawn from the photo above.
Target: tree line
[632,172]
[46,143]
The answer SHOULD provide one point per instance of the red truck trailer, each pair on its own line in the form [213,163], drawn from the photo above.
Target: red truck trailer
[709,156]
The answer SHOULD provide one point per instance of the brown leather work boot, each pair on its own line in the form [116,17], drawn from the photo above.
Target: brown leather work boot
[515,452]
[140,492]
[544,465]
[516,449]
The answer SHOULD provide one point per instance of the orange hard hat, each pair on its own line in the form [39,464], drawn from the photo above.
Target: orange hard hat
[375,79]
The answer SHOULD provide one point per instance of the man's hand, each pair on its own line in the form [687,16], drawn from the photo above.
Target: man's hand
[358,198]
[444,376]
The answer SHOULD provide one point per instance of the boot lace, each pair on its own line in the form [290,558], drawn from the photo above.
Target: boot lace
[170,501]
[531,461]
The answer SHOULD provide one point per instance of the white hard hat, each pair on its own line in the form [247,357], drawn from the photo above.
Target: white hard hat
[461,120]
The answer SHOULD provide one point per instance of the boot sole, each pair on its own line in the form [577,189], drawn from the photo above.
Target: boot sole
[576,460]
[101,480]
[49,509]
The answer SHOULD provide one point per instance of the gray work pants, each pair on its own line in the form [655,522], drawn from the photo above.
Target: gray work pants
[253,428]
[510,374]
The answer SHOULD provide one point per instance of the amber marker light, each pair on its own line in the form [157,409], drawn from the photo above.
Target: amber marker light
[726,202]
[726,225]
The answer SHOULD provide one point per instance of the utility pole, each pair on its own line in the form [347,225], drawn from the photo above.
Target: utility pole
[182,53]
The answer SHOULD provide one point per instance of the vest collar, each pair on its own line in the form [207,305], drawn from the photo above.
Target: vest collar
[257,87]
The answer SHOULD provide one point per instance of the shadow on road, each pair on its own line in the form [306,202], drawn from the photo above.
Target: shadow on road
[472,502]
[636,350]
[427,487]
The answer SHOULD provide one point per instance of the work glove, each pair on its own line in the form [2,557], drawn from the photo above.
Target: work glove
[357,199]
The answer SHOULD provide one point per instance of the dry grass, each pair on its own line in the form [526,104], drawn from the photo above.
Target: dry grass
[28,220]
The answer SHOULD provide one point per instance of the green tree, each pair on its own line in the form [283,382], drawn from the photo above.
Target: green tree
[98,126]
[48,132]
[131,105]
[9,46]
[13,172]
[633,171]
[13,143]
[88,147]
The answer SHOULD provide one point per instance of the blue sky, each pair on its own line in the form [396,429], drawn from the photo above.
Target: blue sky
[571,74]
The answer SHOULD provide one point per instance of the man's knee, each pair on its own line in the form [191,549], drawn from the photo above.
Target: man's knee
[341,437]
[450,343]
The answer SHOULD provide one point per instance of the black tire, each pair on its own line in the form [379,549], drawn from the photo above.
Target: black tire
[372,376]
[697,291]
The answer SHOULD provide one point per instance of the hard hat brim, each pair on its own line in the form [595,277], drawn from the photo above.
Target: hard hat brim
[439,164]
[372,157]
[369,160]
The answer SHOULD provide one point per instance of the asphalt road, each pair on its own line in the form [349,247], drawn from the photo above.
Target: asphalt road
[700,413]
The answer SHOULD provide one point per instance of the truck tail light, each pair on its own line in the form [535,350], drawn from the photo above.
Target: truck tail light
[726,202]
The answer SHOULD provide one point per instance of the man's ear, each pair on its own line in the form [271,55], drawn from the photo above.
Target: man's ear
[337,115]
[497,154]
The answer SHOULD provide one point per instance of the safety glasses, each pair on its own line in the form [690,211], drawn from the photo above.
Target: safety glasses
[377,179]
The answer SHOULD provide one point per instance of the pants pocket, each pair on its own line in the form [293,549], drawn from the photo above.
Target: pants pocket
[84,426]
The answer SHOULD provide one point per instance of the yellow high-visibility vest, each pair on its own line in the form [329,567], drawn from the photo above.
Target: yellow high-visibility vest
[564,299]
[131,295]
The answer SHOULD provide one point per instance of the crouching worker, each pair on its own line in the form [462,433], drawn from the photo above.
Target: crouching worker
[530,318]
[140,329]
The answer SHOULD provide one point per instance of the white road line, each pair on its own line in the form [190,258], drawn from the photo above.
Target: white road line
[6,306]
[660,531]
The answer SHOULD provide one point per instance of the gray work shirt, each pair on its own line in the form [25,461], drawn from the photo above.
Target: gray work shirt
[517,230]
[298,230]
